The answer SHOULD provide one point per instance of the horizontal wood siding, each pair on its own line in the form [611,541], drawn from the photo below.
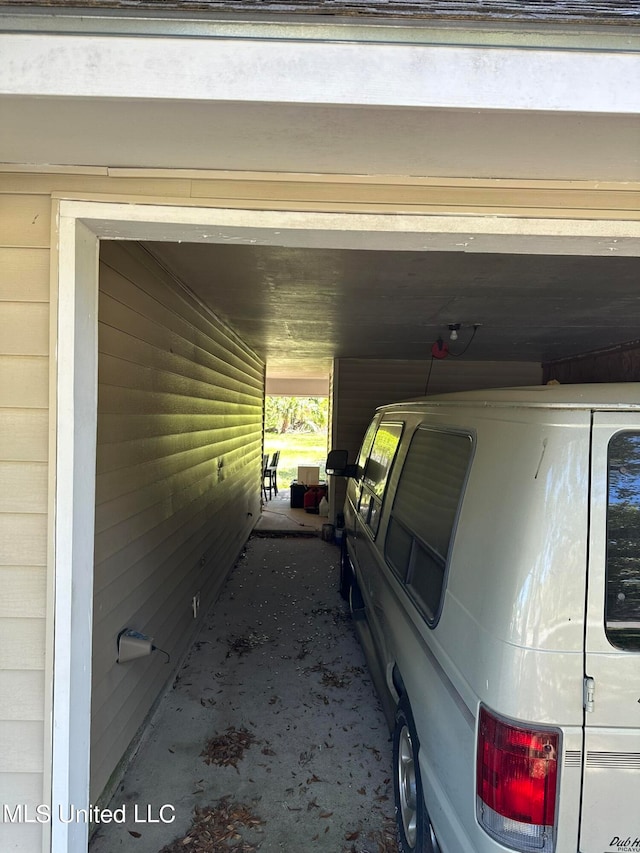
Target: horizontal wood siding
[24,423]
[178,481]
[615,364]
[21,787]
[360,385]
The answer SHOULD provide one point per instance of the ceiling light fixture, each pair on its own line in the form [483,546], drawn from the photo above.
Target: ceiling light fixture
[440,349]
[453,328]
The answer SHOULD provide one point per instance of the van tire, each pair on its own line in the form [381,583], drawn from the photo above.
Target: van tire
[415,834]
[356,602]
[346,572]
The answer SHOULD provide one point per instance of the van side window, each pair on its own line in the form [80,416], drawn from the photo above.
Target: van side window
[622,603]
[376,471]
[354,484]
[424,513]
[367,441]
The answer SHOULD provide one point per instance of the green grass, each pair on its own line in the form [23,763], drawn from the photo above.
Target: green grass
[296,448]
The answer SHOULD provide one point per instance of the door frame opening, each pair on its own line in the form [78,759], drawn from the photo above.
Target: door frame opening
[81,225]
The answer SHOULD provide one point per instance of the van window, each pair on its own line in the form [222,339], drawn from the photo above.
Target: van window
[367,441]
[376,471]
[622,604]
[424,513]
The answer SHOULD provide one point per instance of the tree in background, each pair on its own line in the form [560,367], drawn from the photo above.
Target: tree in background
[296,414]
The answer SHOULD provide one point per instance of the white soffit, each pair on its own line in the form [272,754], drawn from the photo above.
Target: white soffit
[319,72]
[280,386]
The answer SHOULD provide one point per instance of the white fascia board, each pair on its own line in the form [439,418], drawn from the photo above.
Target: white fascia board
[306,72]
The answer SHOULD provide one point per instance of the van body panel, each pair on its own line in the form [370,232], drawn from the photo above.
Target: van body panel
[526,684]
[446,692]
[516,544]
[520,626]
[612,724]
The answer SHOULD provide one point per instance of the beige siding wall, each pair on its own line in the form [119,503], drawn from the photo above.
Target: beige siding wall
[24,393]
[178,462]
[360,385]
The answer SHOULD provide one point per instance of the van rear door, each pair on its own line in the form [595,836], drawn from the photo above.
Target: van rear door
[610,812]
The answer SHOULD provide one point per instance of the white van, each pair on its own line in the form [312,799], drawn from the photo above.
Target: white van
[492,560]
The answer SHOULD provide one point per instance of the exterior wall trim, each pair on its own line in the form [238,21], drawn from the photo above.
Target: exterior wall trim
[211,220]
[73,482]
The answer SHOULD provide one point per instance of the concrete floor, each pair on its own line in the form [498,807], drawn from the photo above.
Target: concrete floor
[277,515]
[276,665]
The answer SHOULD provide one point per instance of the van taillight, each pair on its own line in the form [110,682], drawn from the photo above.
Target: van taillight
[516,777]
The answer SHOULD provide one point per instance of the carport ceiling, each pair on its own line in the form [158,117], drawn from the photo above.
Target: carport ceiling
[301,308]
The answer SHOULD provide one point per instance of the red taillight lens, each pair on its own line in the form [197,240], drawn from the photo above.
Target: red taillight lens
[516,782]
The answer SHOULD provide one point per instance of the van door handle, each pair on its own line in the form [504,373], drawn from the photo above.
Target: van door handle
[589,693]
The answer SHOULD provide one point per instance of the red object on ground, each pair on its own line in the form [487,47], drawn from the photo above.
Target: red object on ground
[313,496]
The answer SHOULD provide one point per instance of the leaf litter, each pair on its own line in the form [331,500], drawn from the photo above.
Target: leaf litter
[227,749]
[383,840]
[245,644]
[334,679]
[217,828]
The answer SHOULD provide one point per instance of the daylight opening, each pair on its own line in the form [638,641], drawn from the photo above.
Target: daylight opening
[297,428]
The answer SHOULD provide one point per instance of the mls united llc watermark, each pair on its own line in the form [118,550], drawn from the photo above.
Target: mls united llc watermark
[134,813]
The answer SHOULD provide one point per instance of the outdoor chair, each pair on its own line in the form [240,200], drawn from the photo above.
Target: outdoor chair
[265,464]
[270,475]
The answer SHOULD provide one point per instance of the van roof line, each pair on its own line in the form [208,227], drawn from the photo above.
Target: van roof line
[613,396]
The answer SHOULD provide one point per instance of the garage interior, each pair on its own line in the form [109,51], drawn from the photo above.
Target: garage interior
[365,320]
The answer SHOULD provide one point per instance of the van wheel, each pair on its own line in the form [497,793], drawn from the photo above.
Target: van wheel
[356,601]
[346,572]
[415,833]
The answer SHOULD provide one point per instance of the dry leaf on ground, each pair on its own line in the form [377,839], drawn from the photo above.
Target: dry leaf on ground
[227,749]
[215,828]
